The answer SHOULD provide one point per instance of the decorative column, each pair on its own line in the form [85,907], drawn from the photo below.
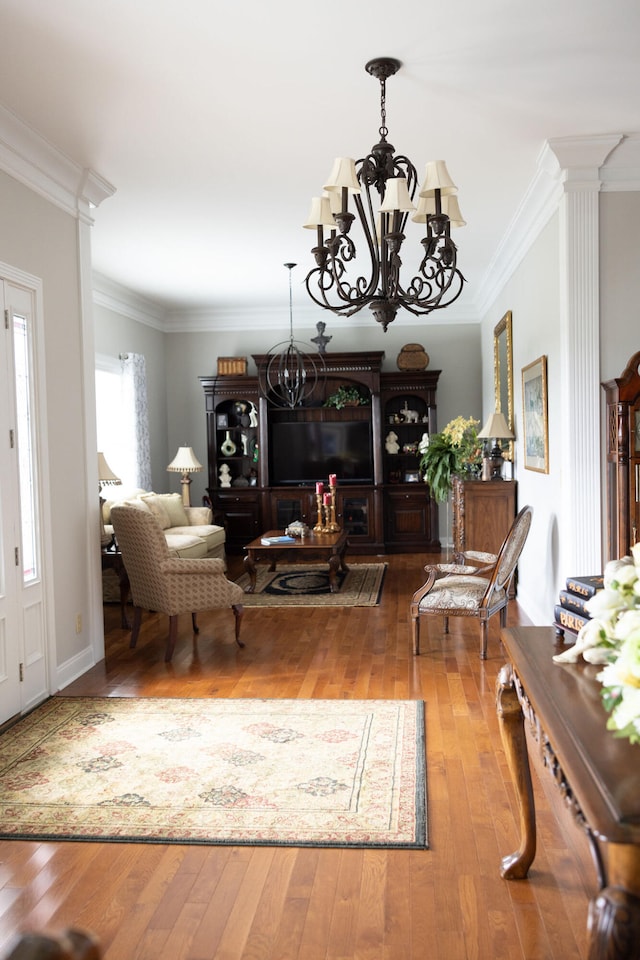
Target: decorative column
[576,163]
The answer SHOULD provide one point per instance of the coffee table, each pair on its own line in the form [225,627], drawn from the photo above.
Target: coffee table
[331,547]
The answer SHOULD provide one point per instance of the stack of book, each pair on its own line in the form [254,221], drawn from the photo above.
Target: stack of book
[571,613]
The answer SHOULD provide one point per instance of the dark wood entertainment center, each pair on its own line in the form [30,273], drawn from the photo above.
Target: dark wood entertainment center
[389,511]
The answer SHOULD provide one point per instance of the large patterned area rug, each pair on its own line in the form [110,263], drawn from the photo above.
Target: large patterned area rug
[294,772]
[307,585]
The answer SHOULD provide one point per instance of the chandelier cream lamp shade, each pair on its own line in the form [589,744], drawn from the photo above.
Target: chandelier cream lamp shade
[185,462]
[106,476]
[360,223]
[496,428]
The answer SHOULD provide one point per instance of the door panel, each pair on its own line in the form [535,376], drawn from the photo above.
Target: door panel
[23,653]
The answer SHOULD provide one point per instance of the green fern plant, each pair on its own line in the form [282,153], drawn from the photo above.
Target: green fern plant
[438,464]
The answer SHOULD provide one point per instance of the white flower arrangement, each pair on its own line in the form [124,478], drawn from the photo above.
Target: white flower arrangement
[612,638]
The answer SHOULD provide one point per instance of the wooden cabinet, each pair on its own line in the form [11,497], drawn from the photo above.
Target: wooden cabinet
[623,460]
[411,519]
[259,479]
[483,512]
[408,402]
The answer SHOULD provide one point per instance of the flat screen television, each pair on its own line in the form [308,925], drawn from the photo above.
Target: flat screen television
[303,453]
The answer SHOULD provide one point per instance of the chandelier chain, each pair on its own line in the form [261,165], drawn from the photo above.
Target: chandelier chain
[383,131]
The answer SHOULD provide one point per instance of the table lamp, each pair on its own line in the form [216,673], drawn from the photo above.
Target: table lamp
[106,476]
[496,428]
[185,462]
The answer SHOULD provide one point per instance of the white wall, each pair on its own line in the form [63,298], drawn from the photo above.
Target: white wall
[533,296]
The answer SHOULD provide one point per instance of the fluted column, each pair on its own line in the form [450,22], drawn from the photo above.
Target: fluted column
[577,163]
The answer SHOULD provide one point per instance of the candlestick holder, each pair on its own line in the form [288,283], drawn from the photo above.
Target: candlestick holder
[319,527]
[332,524]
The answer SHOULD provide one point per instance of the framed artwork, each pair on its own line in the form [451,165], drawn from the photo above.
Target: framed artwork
[222,421]
[534,416]
[411,476]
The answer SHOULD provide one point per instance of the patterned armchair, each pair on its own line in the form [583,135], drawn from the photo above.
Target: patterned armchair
[452,590]
[165,583]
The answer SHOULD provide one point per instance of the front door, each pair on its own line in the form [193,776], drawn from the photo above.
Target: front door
[23,659]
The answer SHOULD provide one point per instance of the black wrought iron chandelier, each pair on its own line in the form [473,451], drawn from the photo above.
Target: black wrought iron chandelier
[291,375]
[437,281]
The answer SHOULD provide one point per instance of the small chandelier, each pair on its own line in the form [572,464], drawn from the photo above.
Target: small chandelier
[437,283]
[291,375]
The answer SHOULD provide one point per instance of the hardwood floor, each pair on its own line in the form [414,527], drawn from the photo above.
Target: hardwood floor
[447,903]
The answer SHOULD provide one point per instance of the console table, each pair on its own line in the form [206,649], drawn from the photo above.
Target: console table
[598,774]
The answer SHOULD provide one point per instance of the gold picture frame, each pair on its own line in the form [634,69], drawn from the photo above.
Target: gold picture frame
[503,377]
[535,419]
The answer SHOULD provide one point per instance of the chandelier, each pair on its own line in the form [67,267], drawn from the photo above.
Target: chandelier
[291,375]
[437,282]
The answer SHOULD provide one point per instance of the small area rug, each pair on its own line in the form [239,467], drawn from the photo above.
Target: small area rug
[271,772]
[307,585]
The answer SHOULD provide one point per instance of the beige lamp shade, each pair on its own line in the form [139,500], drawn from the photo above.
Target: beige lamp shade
[448,205]
[185,461]
[343,174]
[436,177]
[496,428]
[320,214]
[105,473]
[396,196]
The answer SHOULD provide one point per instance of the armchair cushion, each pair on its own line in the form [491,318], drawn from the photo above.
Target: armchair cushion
[456,593]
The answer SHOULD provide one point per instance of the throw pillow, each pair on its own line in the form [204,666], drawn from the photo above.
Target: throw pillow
[157,507]
[174,506]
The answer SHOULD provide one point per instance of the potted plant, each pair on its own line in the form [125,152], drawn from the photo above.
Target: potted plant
[455,451]
[346,396]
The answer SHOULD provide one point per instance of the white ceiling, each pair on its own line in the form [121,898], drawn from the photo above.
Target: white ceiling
[216,122]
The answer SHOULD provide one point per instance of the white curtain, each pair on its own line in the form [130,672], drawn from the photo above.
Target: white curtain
[135,390]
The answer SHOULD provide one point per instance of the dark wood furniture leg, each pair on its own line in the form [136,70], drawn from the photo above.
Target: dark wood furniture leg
[250,567]
[511,719]
[135,630]
[238,611]
[614,913]
[334,566]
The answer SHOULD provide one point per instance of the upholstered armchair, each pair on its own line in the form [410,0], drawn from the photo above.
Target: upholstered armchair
[165,583]
[454,590]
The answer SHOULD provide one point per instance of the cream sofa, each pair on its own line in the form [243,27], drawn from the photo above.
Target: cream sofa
[189,531]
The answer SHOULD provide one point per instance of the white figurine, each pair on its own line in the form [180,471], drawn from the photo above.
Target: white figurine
[225,476]
[423,446]
[253,415]
[391,442]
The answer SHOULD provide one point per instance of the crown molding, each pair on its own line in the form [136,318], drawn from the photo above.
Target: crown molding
[114,296]
[604,162]
[27,157]
[228,318]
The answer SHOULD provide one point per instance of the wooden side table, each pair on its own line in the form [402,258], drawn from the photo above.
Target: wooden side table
[112,560]
[598,774]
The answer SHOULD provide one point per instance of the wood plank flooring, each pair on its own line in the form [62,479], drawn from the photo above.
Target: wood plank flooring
[153,901]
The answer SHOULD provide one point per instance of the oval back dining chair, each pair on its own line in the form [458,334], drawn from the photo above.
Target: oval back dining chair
[451,591]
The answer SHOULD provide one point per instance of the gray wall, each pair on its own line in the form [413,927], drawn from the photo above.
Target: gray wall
[38,238]
[455,350]
[116,334]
